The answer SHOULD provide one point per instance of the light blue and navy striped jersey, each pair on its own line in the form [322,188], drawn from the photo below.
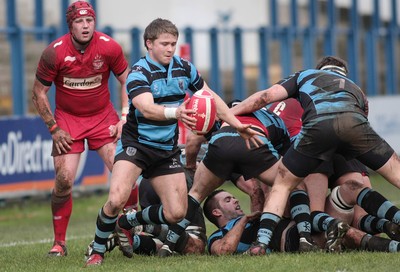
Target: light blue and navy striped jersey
[322,93]
[168,86]
[278,133]
[248,236]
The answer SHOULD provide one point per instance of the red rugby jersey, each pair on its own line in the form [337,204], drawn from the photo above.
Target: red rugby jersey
[81,79]
[290,111]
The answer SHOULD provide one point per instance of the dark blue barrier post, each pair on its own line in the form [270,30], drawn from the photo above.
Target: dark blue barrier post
[330,41]
[309,36]
[215,79]
[390,61]
[308,48]
[294,22]
[353,43]
[375,34]
[263,77]
[286,51]
[273,15]
[390,50]
[376,22]
[15,37]
[64,26]
[372,86]
[39,18]
[136,43]
[239,89]
[189,40]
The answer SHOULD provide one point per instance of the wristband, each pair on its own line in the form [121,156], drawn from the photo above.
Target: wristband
[124,113]
[53,128]
[170,113]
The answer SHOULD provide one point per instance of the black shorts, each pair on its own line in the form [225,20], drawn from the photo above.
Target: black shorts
[325,167]
[348,134]
[227,153]
[342,166]
[153,162]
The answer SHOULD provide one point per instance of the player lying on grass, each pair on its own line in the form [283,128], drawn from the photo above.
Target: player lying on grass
[237,231]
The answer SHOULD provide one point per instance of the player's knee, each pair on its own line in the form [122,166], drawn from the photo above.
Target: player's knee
[115,204]
[353,186]
[174,215]
[63,182]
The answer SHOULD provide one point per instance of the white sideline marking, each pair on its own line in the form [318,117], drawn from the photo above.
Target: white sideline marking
[43,241]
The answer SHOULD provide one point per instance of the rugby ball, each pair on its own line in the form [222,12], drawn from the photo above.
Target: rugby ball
[203,103]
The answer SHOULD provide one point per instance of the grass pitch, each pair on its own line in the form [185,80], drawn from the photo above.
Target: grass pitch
[26,236]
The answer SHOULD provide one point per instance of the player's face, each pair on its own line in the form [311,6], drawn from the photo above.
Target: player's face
[82,29]
[163,48]
[229,206]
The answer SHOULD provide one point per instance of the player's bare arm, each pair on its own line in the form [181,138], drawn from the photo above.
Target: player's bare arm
[227,116]
[228,244]
[62,140]
[260,99]
[144,103]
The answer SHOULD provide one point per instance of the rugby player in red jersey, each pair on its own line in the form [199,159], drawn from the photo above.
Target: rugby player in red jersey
[79,64]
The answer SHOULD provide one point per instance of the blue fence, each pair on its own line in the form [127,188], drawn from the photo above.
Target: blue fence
[369,44]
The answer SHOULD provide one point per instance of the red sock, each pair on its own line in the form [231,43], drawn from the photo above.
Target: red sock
[61,208]
[133,199]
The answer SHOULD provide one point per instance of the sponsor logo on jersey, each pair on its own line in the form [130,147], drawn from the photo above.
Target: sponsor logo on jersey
[82,83]
[131,151]
[98,62]
[69,58]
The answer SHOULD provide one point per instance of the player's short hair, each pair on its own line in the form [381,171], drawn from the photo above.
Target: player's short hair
[334,64]
[210,204]
[78,9]
[157,27]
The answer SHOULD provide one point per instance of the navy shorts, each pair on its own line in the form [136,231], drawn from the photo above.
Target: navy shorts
[153,162]
[348,134]
[342,167]
[227,153]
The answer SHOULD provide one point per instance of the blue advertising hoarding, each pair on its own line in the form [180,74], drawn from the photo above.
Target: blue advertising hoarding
[26,166]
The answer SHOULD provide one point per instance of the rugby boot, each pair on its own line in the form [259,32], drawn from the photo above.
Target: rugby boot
[165,251]
[58,250]
[124,241]
[112,242]
[94,260]
[334,234]
[307,244]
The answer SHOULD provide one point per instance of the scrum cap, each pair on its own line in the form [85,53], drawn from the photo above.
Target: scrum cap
[79,9]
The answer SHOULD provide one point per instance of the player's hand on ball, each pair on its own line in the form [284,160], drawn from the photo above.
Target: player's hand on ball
[185,115]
